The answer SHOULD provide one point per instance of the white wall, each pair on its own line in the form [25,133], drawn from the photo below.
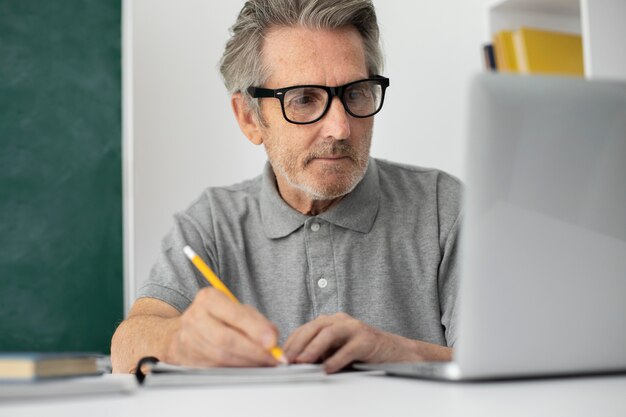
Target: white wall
[182,137]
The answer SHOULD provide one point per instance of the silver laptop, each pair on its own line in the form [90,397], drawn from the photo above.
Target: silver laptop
[543,281]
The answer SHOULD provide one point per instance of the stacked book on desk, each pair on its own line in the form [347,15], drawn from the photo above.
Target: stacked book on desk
[535,51]
[37,366]
[30,374]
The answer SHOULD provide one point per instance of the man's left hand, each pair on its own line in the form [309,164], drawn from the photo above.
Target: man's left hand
[340,339]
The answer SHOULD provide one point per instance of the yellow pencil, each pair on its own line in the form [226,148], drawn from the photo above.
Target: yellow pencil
[210,276]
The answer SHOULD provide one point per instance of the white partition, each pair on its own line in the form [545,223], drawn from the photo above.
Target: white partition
[604,25]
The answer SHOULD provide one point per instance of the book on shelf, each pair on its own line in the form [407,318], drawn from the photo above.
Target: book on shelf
[537,51]
[547,52]
[504,49]
[489,58]
[25,366]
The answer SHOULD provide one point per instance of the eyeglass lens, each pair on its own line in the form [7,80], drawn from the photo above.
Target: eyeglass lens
[306,104]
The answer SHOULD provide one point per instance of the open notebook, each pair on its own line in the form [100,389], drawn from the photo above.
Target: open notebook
[151,372]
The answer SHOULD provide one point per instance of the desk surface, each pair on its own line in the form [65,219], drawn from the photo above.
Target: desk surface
[348,395]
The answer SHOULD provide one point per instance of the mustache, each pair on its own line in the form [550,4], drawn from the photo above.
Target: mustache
[332,148]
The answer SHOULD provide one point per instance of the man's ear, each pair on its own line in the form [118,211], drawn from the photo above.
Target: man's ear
[248,122]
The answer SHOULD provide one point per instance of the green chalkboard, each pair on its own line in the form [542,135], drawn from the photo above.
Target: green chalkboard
[61,266]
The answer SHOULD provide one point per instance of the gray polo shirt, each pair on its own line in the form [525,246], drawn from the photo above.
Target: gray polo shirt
[386,254]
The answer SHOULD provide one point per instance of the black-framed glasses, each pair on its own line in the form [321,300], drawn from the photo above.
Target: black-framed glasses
[304,104]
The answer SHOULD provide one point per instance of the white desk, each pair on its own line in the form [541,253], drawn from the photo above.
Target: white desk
[351,395]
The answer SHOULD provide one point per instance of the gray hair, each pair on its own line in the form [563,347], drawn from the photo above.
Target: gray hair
[242,62]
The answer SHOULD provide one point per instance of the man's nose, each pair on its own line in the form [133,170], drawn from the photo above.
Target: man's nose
[336,121]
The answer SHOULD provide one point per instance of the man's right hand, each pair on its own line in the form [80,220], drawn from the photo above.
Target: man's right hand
[215,331]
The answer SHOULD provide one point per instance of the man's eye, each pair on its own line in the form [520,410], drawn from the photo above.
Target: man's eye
[303,100]
[358,94]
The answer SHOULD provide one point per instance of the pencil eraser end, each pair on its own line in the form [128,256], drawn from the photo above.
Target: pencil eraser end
[189,252]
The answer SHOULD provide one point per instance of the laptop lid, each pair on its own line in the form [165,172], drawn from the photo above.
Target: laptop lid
[543,285]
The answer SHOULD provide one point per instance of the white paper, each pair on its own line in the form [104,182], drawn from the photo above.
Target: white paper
[166,374]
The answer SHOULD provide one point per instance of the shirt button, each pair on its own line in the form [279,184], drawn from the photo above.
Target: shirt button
[322,283]
[315,227]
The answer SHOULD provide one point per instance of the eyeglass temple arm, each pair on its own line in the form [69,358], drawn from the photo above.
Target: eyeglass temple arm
[383,80]
[258,92]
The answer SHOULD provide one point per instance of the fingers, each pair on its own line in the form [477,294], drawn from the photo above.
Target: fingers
[243,317]
[325,341]
[215,331]
[352,351]
[220,345]
[302,336]
[342,340]
[321,337]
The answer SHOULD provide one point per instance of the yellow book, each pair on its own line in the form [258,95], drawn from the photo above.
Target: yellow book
[506,60]
[545,52]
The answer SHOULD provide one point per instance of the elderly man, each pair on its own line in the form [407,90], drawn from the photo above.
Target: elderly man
[335,255]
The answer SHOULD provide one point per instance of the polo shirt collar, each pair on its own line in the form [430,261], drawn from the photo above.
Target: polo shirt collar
[356,211]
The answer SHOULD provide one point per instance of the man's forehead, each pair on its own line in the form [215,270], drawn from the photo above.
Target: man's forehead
[300,55]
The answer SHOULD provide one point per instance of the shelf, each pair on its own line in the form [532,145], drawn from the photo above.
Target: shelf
[600,22]
[560,15]
[560,7]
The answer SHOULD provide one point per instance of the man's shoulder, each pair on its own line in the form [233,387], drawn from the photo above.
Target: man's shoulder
[227,199]
[416,176]
[432,192]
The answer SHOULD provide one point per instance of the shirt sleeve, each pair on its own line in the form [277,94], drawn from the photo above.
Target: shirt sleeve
[448,282]
[173,278]
[449,196]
